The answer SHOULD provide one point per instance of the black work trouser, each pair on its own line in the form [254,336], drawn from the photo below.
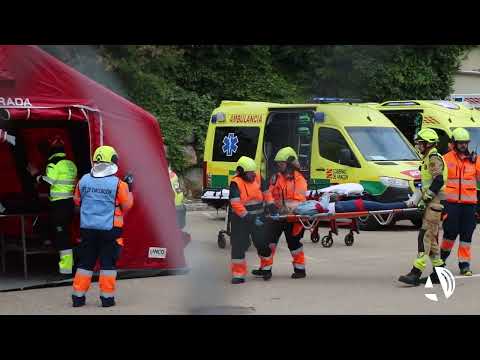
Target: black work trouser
[241,232]
[61,216]
[275,230]
[460,220]
[98,244]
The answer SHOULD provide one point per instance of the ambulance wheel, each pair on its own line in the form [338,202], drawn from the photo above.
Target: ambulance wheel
[349,239]
[327,241]
[221,241]
[315,237]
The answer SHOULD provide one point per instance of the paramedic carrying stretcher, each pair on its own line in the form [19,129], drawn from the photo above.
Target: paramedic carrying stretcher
[286,191]
[247,202]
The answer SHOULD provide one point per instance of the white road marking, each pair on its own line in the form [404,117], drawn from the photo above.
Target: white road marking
[466,277]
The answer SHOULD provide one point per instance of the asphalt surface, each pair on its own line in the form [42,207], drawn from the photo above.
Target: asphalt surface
[361,279]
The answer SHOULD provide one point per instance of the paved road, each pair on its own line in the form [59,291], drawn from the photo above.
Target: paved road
[341,280]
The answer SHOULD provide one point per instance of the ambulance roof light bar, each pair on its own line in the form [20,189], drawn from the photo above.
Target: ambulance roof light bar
[328,100]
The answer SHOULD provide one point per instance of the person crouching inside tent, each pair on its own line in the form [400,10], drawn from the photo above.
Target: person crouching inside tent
[103,199]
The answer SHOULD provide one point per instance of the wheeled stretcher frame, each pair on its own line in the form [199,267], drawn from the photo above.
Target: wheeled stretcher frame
[312,223]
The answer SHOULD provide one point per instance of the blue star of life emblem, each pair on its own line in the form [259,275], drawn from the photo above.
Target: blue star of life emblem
[230,144]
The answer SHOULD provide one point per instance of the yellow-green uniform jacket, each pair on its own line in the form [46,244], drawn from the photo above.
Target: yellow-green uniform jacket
[176,188]
[432,166]
[62,177]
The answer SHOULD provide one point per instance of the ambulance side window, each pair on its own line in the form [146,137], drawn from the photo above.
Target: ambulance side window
[230,142]
[333,147]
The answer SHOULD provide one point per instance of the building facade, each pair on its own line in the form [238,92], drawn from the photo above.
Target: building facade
[466,87]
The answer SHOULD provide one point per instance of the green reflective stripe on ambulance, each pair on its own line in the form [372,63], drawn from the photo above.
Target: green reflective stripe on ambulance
[220,181]
[319,183]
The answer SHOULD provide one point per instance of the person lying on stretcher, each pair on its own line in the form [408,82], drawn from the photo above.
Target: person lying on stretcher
[329,204]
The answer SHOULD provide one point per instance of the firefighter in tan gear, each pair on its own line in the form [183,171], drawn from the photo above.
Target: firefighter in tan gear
[434,177]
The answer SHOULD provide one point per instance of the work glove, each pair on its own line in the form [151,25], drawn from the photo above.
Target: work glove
[258,222]
[428,196]
[421,205]
[272,209]
[129,180]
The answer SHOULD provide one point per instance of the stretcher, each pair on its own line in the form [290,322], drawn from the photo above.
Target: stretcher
[311,223]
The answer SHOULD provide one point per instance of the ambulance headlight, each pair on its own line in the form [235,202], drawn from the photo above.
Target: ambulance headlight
[394,182]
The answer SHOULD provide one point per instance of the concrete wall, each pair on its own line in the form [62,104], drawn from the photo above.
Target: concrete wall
[468,83]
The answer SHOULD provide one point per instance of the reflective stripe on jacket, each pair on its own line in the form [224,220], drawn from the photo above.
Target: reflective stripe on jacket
[61,174]
[462,179]
[427,177]
[177,191]
[287,191]
[251,197]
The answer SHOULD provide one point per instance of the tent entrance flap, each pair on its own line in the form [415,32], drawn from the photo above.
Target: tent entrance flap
[21,194]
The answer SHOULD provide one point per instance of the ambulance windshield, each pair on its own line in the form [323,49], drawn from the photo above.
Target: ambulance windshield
[381,144]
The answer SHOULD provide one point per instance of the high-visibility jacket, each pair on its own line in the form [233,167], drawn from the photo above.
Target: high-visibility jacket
[98,205]
[250,197]
[177,191]
[462,179]
[61,174]
[287,190]
[425,174]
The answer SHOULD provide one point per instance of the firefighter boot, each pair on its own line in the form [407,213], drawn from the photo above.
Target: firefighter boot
[236,280]
[265,274]
[107,301]
[465,271]
[78,301]
[66,262]
[298,273]
[412,278]
[433,276]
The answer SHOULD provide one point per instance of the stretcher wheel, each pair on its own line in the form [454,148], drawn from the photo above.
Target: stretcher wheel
[327,241]
[315,237]
[221,241]
[349,239]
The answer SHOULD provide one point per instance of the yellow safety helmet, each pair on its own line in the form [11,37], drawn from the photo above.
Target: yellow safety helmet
[285,154]
[428,135]
[246,164]
[105,154]
[460,134]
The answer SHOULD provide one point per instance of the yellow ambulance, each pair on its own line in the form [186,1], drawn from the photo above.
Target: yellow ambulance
[336,143]
[443,116]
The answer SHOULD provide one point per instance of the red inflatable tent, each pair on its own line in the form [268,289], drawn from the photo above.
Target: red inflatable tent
[41,96]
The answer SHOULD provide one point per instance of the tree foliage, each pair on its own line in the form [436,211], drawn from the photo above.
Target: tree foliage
[181,85]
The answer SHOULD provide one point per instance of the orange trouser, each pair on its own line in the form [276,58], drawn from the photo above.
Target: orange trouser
[275,230]
[97,245]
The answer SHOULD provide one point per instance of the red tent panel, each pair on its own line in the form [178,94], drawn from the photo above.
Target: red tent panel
[37,86]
